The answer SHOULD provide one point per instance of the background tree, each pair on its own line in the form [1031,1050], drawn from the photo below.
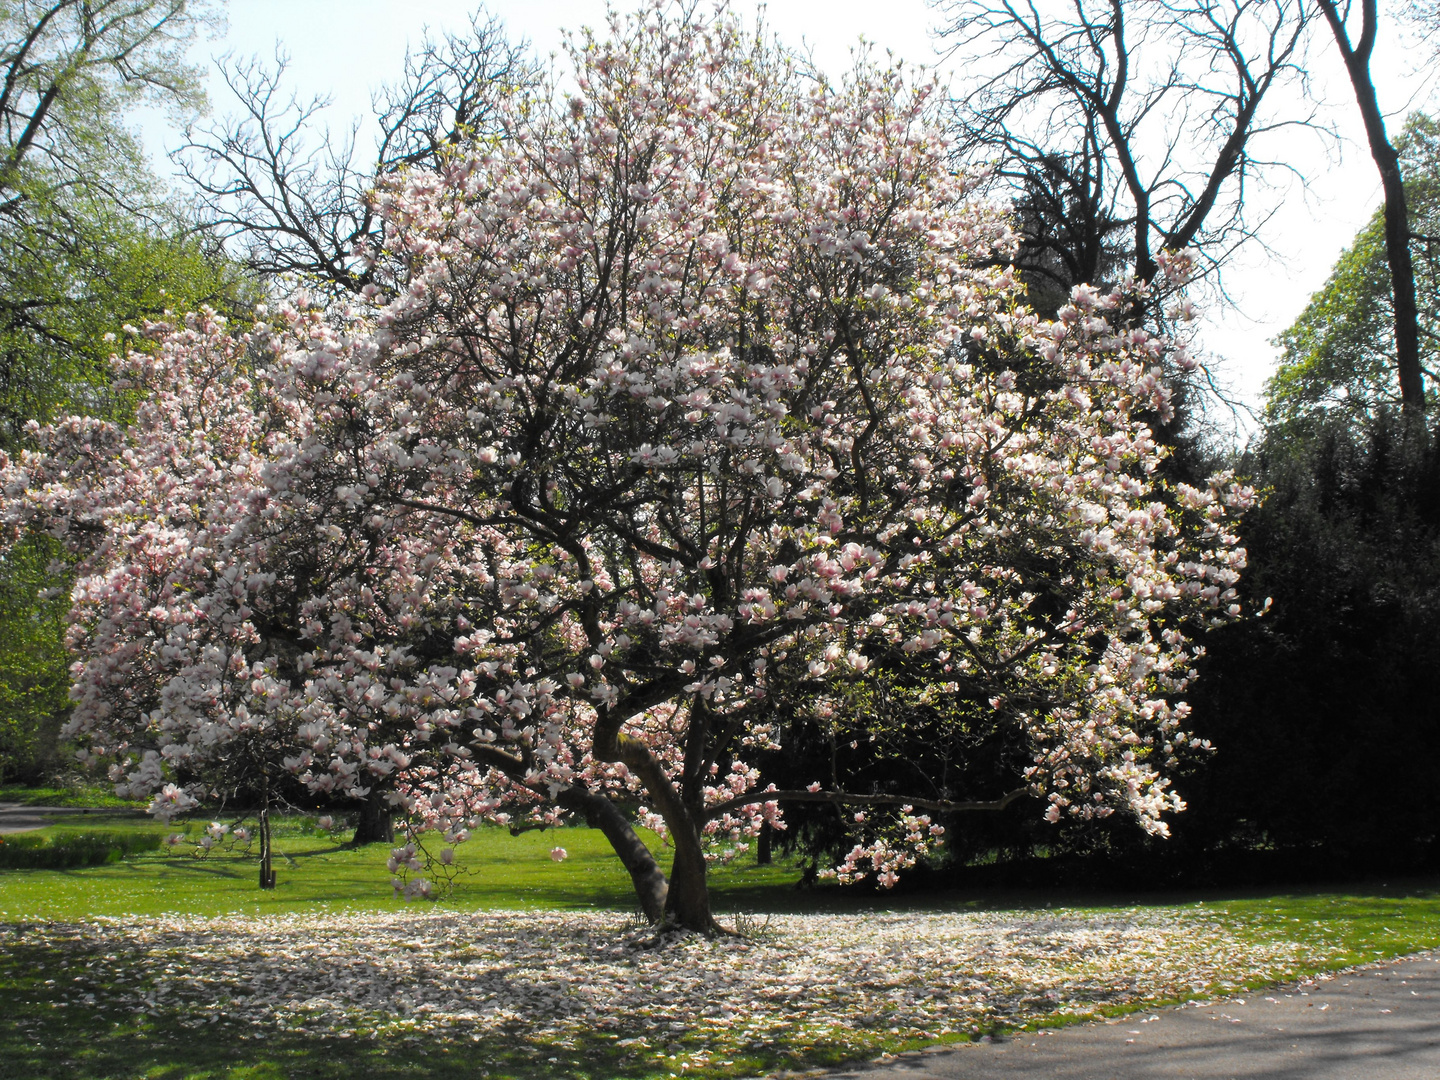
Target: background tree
[1336,678]
[1340,355]
[34,667]
[1347,549]
[87,245]
[1333,690]
[297,201]
[1108,116]
[84,236]
[1065,220]
[1356,50]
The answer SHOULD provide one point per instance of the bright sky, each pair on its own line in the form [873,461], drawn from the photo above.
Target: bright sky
[345,48]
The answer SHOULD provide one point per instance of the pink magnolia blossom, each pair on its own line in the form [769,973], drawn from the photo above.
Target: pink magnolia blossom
[705,383]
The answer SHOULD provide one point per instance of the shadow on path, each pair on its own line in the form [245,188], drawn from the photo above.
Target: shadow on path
[1375,1023]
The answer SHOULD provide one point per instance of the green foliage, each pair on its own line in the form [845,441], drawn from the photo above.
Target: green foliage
[87,241]
[74,69]
[65,301]
[1340,352]
[64,304]
[77,796]
[902,728]
[1324,712]
[33,675]
[31,851]
[88,244]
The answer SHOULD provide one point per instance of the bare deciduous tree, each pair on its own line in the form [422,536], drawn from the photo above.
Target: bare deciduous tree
[1107,116]
[297,200]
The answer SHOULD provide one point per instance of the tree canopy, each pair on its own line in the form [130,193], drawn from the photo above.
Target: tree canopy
[87,241]
[1339,355]
[702,381]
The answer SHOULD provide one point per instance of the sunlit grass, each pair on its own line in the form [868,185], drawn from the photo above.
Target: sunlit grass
[64,796]
[494,870]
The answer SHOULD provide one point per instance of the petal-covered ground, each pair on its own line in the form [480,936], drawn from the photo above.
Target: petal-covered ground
[548,978]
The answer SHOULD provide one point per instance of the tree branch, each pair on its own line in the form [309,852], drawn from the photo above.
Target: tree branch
[843,798]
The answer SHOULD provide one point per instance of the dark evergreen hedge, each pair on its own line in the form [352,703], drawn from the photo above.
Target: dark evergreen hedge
[30,852]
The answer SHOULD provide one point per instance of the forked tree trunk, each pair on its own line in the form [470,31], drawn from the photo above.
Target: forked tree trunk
[687,900]
[376,824]
[600,813]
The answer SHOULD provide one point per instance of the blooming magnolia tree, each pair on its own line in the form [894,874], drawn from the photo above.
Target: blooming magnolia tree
[706,380]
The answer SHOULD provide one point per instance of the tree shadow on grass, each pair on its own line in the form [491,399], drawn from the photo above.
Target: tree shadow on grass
[71,1012]
[52,1033]
[339,849]
[866,898]
[191,866]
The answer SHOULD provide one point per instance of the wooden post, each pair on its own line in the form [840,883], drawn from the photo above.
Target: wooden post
[267,874]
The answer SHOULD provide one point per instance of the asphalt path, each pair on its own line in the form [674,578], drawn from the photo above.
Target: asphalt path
[16,817]
[1374,1023]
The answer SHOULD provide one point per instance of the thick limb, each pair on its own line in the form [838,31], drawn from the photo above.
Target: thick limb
[651,888]
[687,902]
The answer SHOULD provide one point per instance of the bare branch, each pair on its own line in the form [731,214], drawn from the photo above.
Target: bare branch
[1104,117]
[296,198]
[941,806]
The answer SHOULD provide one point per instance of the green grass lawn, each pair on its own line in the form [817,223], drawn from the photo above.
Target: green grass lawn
[41,1039]
[65,796]
[495,870]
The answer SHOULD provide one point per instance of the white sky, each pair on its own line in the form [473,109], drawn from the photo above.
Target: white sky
[345,48]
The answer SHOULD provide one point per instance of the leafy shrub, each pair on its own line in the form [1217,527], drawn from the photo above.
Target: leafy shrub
[30,852]
[1324,712]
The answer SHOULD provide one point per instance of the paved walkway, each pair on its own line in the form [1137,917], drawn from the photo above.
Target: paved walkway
[1378,1023]
[16,817]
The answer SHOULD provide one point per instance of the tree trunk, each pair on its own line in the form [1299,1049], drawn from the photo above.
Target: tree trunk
[651,888]
[687,905]
[763,844]
[1397,217]
[687,901]
[47,744]
[1402,282]
[600,813]
[376,824]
